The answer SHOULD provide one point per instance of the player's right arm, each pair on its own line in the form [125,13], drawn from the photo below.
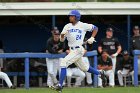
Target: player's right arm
[63,33]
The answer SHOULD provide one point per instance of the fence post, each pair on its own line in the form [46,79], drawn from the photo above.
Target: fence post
[95,76]
[135,70]
[27,73]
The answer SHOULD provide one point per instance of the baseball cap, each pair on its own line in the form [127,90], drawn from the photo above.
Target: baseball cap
[125,52]
[104,51]
[109,29]
[136,28]
[55,31]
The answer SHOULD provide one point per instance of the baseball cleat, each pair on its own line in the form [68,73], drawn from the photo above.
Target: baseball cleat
[56,88]
[103,77]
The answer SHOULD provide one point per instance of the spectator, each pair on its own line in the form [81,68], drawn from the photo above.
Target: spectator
[54,46]
[112,45]
[135,42]
[105,63]
[126,67]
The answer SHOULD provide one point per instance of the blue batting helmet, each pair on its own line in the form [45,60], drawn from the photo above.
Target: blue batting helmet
[75,13]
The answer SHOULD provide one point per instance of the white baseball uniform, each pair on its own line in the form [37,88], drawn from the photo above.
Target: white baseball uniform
[53,68]
[6,78]
[114,60]
[88,75]
[110,74]
[124,73]
[80,75]
[75,35]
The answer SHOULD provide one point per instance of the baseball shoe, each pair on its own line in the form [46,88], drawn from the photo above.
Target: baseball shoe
[100,87]
[13,87]
[103,77]
[57,88]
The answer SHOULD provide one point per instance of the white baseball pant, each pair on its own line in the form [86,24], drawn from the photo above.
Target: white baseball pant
[80,75]
[88,75]
[124,73]
[109,74]
[5,77]
[75,56]
[114,63]
[52,67]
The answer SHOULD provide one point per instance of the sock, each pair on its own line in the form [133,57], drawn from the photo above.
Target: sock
[92,70]
[62,76]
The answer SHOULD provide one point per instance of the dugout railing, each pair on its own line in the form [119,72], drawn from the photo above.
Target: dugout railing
[136,53]
[27,56]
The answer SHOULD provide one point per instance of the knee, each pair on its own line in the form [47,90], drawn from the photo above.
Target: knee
[119,72]
[85,68]
[50,73]
[4,75]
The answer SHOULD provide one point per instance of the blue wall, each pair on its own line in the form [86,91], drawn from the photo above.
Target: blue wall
[32,38]
[21,38]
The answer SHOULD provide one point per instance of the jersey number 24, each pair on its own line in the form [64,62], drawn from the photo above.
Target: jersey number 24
[78,37]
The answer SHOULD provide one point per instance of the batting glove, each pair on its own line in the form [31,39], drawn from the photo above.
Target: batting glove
[91,40]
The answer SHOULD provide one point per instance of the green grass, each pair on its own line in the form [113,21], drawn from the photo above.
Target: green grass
[75,90]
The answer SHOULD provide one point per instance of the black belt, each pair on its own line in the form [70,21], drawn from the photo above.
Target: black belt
[74,47]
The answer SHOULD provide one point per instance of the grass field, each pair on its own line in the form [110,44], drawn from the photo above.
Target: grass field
[75,90]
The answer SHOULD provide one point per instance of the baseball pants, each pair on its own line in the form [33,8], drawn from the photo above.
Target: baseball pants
[53,68]
[110,75]
[124,73]
[6,78]
[88,75]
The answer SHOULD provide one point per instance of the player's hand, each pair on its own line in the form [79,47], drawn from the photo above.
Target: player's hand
[67,51]
[60,51]
[91,40]
[114,55]
[120,72]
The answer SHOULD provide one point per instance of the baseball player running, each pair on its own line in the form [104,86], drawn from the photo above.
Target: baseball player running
[75,32]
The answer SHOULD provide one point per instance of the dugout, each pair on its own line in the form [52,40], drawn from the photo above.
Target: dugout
[30,33]
[26,26]
[23,25]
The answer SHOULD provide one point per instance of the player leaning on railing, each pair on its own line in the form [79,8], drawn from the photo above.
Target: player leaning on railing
[75,32]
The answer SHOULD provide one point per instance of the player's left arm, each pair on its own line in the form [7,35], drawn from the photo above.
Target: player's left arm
[63,33]
[94,31]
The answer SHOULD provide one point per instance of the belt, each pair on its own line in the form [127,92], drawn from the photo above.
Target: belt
[74,47]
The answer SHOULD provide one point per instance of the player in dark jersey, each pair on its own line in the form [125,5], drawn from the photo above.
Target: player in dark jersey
[105,63]
[135,42]
[125,67]
[111,44]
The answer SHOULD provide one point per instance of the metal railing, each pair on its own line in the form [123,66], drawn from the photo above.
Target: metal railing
[136,53]
[27,56]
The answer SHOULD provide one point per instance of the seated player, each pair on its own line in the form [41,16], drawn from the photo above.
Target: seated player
[105,63]
[72,70]
[126,68]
